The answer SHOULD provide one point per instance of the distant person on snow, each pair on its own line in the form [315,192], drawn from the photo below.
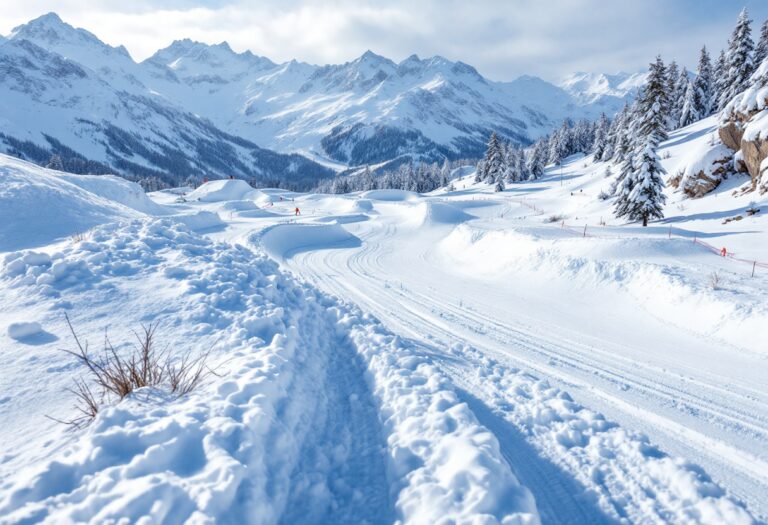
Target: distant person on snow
[297,211]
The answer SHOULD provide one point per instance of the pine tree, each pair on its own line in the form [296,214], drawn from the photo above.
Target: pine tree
[704,85]
[739,63]
[642,192]
[493,162]
[537,160]
[499,185]
[445,173]
[601,138]
[640,186]
[691,111]
[520,166]
[761,50]
[677,99]
[719,84]
[650,116]
[673,79]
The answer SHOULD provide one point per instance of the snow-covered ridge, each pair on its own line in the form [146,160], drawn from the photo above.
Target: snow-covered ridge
[427,108]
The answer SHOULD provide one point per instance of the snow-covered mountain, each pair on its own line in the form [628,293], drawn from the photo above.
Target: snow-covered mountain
[601,88]
[67,98]
[198,109]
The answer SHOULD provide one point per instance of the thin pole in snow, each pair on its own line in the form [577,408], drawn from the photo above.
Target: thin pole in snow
[585,230]
[670,232]
[753,268]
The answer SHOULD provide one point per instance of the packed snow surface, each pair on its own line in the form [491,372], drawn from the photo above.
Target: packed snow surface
[517,357]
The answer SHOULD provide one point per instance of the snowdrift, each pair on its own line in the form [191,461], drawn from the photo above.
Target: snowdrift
[649,269]
[317,414]
[39,206]
[285,240]
[224,190]
[428,213]
[119,190]
[390,195]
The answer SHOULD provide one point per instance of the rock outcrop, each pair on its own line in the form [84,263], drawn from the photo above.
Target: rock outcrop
[744,129]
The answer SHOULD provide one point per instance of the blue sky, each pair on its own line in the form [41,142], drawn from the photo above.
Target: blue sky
[502,39]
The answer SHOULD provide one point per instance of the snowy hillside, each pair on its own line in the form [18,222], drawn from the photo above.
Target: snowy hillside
[468,355]
[199,110]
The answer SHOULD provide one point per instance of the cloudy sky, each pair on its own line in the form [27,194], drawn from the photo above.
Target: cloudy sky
[502,39]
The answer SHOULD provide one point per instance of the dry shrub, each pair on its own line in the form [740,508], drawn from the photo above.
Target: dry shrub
[114,377]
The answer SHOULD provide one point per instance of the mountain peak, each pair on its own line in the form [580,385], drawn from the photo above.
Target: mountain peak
[50,32]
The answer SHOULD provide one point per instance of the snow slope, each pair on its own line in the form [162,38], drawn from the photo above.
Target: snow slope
[405,358]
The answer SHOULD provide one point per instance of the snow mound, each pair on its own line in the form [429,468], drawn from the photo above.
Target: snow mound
[117,189]
[223,190]
[428,212]
[285,240]
[390,195]
[317,414]
[244,205]
[23,330]
[39,206]
[200,220]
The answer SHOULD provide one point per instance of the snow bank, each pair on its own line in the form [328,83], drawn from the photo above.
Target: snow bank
[317,414]
[117,189]
[223,190]
[639,267]
[390,195]
[38,206]
[285,240]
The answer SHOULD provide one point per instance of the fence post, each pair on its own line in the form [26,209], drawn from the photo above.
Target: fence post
[585,230]
[753,268]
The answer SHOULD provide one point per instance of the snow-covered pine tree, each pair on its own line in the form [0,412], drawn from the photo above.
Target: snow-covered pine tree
[445,173]
[510,155]
[642,192]
[480,172]
[521,167]
[560,144]
[367,180]
[677,99]
[600,138]
[493,162]
[704,85]
[761,49]
[650,116]
[719,83]
[499,185]
[739,60]
[691,111]
[537,160]
[673,79]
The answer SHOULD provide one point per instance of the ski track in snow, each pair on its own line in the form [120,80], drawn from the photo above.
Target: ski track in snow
[430,318]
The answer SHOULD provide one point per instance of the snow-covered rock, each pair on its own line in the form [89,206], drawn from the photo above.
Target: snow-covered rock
[744,128]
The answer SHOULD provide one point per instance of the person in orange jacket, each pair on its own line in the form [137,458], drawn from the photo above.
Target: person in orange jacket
[297,211]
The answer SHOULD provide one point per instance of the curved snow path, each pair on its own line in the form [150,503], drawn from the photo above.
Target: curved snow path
[714,416]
